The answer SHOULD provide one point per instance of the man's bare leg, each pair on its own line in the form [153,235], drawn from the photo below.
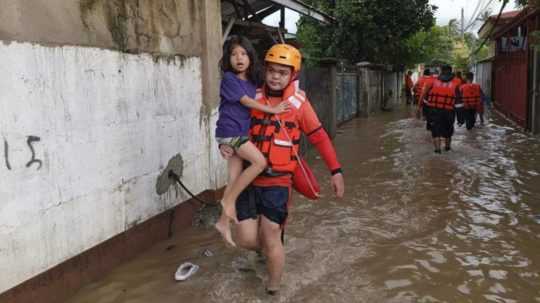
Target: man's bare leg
[447,143]
[437,144]
[274,251]
[247,234]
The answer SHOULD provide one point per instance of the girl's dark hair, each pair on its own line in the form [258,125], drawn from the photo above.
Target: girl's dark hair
[254,72]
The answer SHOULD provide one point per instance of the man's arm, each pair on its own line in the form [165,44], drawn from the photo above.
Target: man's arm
[320,139]
[423,95]
[316,135]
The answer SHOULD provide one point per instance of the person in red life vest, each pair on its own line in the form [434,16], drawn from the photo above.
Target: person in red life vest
[418,88]
[408,86]
[443,96]
[472,96]
[459,78]
[459,109]
[263,207]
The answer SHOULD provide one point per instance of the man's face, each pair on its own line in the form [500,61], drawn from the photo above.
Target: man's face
[277,76]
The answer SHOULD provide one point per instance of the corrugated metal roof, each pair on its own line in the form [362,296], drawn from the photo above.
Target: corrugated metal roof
[242,9]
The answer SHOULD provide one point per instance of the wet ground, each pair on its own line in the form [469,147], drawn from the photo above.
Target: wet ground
[413,227]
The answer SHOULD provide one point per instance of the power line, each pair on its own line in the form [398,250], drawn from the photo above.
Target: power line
[473,16]
[474,19]
[505,2]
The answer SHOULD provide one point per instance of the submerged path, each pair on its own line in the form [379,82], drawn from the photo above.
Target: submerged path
[413,227]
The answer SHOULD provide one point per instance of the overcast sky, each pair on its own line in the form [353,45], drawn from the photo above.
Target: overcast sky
[448,9]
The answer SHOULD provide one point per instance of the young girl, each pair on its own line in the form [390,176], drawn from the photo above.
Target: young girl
[237,92]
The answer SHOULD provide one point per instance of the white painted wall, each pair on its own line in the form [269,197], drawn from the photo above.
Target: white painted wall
[108,123]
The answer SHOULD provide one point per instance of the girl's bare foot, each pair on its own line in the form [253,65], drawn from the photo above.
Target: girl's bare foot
[229,209]
[224,229]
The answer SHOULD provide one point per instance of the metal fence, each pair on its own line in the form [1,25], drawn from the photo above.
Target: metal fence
[347,97]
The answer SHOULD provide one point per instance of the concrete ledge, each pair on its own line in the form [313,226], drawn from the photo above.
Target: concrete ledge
[62,281]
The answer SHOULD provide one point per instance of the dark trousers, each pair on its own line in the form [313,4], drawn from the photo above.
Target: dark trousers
[470,118]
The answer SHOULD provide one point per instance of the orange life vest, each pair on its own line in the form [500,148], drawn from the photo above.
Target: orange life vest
[419,87]
[470,94]
[278,136]
[457,81]
[442,95]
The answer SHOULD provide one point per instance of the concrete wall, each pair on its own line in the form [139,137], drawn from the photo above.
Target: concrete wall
[391,90]
[370,90]
[91,111]
[379,89]
[319,83]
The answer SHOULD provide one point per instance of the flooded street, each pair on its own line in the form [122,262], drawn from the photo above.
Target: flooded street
[414,226]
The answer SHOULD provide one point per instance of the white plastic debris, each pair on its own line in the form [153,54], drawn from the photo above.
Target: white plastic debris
[185,271]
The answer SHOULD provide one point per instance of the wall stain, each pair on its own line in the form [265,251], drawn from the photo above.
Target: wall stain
[139,26]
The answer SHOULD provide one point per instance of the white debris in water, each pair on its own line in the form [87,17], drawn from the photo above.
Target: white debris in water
[391,284]
[498,274]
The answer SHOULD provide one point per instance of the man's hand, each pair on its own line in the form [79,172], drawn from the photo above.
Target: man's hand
[338,185]
[226,151]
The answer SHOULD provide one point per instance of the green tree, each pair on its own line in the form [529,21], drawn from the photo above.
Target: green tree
[368,30]
[431,46]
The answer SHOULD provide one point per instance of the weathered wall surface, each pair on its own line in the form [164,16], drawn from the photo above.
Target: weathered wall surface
[319,83]
[379,89]
[483,76]
[92,107]
[152,26]
[371,90]
[391,92]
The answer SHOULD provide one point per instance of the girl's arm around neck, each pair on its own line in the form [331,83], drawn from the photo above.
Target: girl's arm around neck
[251,103]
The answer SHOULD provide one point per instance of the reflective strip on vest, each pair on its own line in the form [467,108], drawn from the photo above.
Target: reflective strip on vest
[283,142]
[295,102]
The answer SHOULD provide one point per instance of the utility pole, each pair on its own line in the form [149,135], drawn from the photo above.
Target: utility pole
[462,23]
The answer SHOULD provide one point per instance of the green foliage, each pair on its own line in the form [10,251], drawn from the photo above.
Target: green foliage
[444,44]
[432,46]
[368,30]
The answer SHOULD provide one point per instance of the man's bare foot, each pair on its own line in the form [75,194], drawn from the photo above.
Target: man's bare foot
[225,231]
[272,290]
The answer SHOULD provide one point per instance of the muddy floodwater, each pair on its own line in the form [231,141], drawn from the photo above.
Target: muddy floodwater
[414,226]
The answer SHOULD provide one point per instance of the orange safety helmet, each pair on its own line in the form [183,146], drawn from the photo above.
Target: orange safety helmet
[285,54]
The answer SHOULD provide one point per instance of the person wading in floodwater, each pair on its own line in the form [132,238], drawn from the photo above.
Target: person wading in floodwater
[237,91]
[443,96]
[263,207]
[422,103]
[408,88]
[472,96]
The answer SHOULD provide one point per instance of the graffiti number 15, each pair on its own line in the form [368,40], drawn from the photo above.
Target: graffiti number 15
[29,141]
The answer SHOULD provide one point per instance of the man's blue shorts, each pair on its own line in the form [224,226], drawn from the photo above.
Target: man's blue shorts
[270,202]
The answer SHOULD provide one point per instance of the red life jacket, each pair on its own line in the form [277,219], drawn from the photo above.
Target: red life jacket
[470,94]
[278,136]
[442,95]
[419,87]
[458,81]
